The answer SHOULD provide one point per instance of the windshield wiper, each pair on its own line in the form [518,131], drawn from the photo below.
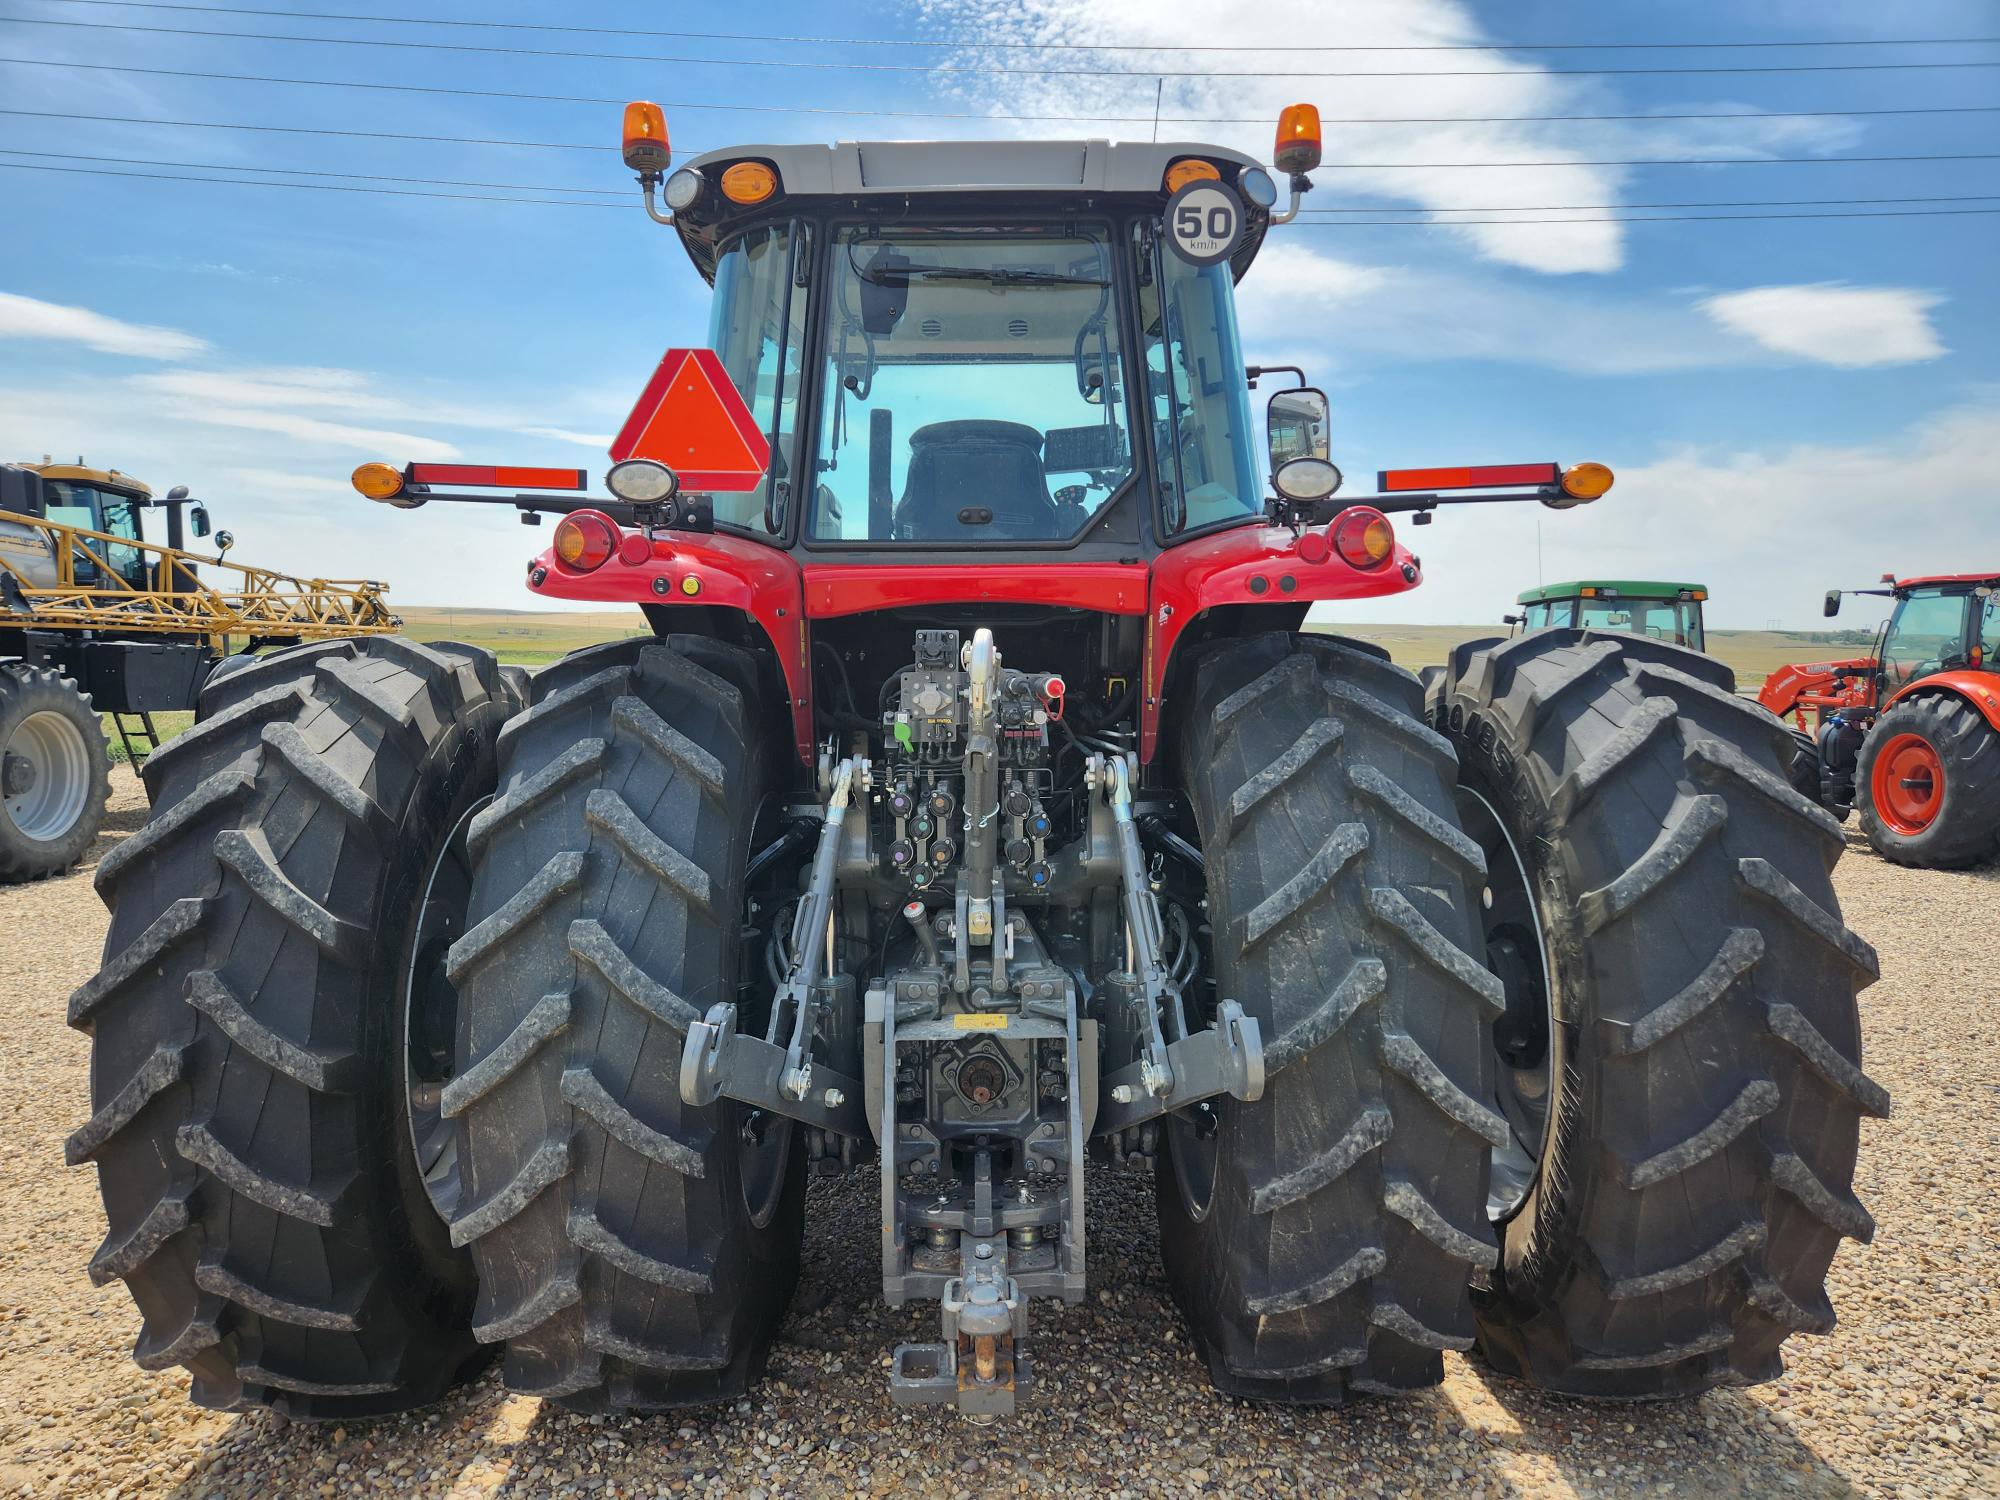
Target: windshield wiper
[996,275]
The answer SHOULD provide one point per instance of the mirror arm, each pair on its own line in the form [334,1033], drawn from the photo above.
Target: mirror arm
[1254,373]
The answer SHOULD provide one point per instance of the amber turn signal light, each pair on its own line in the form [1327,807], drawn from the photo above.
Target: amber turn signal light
[378,481]
[585,541]
[1297,149]
[1585,481]
[1191,169]
[645,138]
[1363,537]
[749,182]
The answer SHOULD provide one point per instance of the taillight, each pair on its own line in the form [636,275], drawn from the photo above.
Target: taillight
[585,540]
[1313,547]
[635,549]
[1363,537]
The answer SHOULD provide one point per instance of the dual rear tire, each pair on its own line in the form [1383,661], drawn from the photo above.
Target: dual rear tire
[1577,928]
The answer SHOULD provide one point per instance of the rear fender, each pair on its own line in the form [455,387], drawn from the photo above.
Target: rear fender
[724,572]
[1251,565]
[1980,689]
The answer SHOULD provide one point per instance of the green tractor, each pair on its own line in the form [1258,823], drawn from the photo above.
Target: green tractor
[1668,612]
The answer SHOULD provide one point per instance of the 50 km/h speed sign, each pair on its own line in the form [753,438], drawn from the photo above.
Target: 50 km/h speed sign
[1205,222]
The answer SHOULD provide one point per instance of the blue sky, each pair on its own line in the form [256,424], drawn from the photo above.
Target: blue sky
[1789,403]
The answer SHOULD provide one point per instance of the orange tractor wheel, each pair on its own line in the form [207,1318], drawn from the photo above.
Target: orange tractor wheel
[1931,773]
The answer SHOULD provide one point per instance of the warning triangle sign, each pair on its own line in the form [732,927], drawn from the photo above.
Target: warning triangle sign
[691,419]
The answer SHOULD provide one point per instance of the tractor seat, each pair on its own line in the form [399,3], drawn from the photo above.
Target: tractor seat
[962,472]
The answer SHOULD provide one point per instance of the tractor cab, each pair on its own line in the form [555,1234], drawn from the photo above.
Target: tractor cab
[1940,625]
[1662,611]
[109,503]
[1007,359]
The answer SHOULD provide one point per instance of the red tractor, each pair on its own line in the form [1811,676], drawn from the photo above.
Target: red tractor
[979,806]
[1912,733]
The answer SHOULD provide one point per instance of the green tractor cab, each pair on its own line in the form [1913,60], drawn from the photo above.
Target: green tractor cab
[1664,611]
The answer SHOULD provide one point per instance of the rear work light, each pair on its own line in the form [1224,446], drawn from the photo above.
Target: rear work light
[749,182]
[1363,537]
[585,541]
[644,139]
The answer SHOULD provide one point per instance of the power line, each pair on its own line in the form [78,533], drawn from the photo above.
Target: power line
[624,193]
[1532,208]
[1020,46]
[685,150]
[792,109]
[308,187]
[1344,224]
[821,65]
[219,166]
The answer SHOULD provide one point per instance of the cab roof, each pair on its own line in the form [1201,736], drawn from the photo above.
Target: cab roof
[1933,580]
[1621,588]
[902,170]
[110,479]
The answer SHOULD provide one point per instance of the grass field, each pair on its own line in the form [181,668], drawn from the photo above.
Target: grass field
[535,638]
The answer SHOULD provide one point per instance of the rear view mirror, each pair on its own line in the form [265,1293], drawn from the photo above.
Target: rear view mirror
[1296,429]
[1296,426]
[1832,603]
[198,520]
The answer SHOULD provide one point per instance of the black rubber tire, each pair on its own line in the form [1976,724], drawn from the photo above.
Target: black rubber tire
[1966,830]
[1349,1201]
[251,1131]
[617,1259]
[1803,773]
[26,690]
[1697,1177]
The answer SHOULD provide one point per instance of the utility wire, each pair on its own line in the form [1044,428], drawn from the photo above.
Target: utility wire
[312,187]
[1017,46]
[821,65]
[220,166]
[1535,208]
[1344,224]
[681,149]
[792,109]
[622,194]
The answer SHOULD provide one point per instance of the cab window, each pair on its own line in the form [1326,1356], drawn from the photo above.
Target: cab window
[1989,631]
[1928,636]
[1198,396]
[757,325]
[1535,616]
[974,386]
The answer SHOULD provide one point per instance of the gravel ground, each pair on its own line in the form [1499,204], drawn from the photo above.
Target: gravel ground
[1904,1399]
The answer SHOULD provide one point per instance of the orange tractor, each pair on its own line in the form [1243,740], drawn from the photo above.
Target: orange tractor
[1910,734]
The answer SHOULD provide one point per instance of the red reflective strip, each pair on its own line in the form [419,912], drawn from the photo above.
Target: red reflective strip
[1477,477]
[498,477]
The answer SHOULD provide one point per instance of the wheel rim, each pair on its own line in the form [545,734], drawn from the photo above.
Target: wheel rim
[1523,1038]
[1908,784]
[45,775]
[430,1017]
[764,1141]
[1196,1134]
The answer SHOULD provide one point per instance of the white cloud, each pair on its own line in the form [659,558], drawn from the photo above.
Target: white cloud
[1833,323]
[314,431]
[1410,314]
[283,482]
[564,435]
[1373,151]
[30,318]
